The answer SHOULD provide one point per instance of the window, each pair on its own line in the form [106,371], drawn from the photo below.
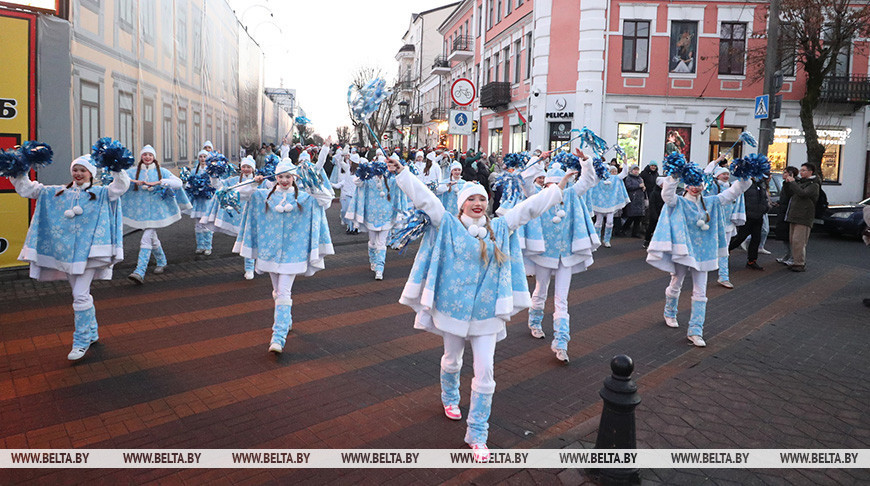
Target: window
[181,34]
[519,3]
[787,50]
[732,47]
[628,136]
[167,133]
[507,64]
[517,61]
[485,71]
[89,111]
[467,34]
[218,131]
[146,9]
[635,46]
[498,12]
[167,14]
[479,19]
[495,65]
[842,67]
[197,128]
[208,128]
[197,40]
[518,138]
[830,168]
[125,13]
[227,132]
[495,141]
[491,14]
[509,6]
[528,56]
[148,121]
[183,142]
[684,39]
[125,119]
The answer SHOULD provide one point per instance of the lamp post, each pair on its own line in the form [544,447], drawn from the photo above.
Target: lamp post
[403,116]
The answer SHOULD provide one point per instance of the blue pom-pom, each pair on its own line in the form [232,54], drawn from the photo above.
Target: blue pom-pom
[601,170]
[674,164]
[511,185]
[106,177]
[693,175]
[37,154]
[516,160]
[366,100]
[748,138]
[217,165]
[229,200]
[409,229]
[184,174]
[12,164]
[753,166]
[302,120]
[371,169]
[199,187]
[410,166]
[112,155]
[165,192]
[568,160]
[269,166]
[591,139]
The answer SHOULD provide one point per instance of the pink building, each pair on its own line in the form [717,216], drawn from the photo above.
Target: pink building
[638,71]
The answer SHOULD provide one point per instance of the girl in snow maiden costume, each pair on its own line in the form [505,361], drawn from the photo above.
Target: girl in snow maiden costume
[285,231]
[200,207]
[75,234]
[229,221]
[607,198]
[448,189]
[373,210]
[733,215]
[569,240]
[690,238]
[466,283]
[151,204]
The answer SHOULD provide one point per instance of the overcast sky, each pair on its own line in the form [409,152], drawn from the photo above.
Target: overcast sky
[321,44]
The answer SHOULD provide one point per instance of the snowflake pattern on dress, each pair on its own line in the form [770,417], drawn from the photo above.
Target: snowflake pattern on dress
[609,198]
[145,208]
[678,239]
[373,212]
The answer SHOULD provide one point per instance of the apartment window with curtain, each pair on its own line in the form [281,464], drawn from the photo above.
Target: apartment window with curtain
[635,46]
[485,71]
[479,19]
[507,64]
[498,12]
[89,111]
[167,133]
[732,47]
[491,14]
[517,61]
[518,138]
[197,40]
[510,7]
[208,131]
[197,129]
[182,134]
[528,56]
[148,121]
[125,119]
[495,66]
[125,14]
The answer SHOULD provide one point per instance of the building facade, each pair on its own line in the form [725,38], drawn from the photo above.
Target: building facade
[640,73]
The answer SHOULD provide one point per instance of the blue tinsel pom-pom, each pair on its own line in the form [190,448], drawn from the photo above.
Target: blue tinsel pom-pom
[591,139]
[601,170]
[568,160]
[184,174]
[516,160]
[112,155]
[674,164]
[511,185]
[753,166]
[38,154]
[229,200]
[199,187]
[749,139]
[302,120]
[269,166]
[371,169]
[365,101]
[165,192]
[217,165]
[18,161]
[106,177]
[409,229]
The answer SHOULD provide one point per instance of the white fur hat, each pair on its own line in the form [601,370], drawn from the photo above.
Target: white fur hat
[395,158]
[431,156]
[286,165]
[203,152]
[720,170]
[455,165]
[470,189]
[250,162]
[304,157]
[86,162]
[354,157]
[554,174]
[147,150]
[419,155]
[207,143]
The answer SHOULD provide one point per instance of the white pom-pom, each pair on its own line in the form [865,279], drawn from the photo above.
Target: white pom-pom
[382,193]
[69,214]
[557,220]
[280,209]
[482,232]
[560,213]
[705,227]
[77,210]
[473,230]
[700,223]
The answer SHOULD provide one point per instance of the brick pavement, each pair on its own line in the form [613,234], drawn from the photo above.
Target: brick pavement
[182,363]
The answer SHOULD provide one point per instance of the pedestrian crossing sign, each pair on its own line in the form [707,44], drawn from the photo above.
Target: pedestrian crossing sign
[762,105]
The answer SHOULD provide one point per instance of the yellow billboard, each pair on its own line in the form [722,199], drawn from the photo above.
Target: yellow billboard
[17,121]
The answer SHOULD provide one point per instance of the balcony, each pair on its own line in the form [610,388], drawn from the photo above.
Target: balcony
[496,94]
[846,89]
[411,119]
[439,114]
[406,85]
[462,49]
[441,66]
[406,52]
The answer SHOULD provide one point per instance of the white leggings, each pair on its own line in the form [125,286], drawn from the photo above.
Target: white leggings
[542,287]
[483,353]
[699,283]
[282,287]
[200,228]
[378,239]
[149,239]
[81,289]
[601,217]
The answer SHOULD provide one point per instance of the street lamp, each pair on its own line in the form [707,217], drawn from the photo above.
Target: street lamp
[403,116]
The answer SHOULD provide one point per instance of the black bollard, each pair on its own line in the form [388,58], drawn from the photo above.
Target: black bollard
[617,427]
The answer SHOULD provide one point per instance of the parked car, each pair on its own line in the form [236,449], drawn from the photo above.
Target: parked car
[846,219]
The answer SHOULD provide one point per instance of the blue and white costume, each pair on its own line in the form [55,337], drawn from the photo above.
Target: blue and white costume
[373,209]
[690,237]
[732,216]
[462,294]
[75,234]
[148,209]
[569,240]
[286,232]
[199,209]
[607,198]
[449,188]
[347,186]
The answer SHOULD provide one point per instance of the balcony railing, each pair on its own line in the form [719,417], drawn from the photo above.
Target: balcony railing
[441,65]
[495,94]
[846,89]
[462,43]
[439,114]
[411,119]
[406,85]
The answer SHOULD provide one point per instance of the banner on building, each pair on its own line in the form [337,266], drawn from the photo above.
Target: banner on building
[17,122]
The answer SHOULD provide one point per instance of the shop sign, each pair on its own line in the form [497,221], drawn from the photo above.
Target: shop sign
[833,136]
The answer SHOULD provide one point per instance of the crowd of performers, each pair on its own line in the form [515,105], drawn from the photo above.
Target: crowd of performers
[469,277]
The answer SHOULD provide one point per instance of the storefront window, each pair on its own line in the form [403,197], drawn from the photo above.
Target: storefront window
[832,138]
[831,163]
[777,154]
[722,140]
[518,138]
[628,137]
[560,132]
[495,140]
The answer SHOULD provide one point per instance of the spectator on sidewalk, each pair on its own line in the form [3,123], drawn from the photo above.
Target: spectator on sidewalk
[650,174]
[636,188]
[755,200]
[801,212]
[782,226]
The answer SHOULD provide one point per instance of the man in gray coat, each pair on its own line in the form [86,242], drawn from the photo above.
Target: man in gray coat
[801,212]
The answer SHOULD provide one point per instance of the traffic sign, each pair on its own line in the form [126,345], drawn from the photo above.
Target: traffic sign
[462,91]
[762,107]
[460,122]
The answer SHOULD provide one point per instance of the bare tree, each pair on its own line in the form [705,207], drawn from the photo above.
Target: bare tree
[817,35]
[343,134]
[380,119]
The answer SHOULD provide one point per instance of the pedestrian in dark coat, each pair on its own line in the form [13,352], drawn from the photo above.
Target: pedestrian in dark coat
[755,199]
[633,211]
[650,175]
